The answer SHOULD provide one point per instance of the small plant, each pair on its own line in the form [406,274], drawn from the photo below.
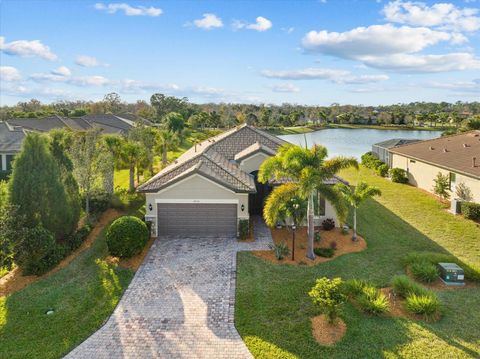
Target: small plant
[328,224]
[328,295]
[345,230]
[324,252]
[127,236]
[372,301]
[398,175]
[333,245]
[426,305]
[404,286]
[317,237]
[382,170]
[463,192]
[280,250]
[470,210]
[243,229]
[441,186]
[355,287]
[424,271]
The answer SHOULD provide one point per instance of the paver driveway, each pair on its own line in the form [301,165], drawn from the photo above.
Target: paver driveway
[180,304]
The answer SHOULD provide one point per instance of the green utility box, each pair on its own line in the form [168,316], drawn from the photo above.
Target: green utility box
[451,274]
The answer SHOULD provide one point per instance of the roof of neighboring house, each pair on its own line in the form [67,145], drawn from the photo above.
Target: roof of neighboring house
[43,124]
[455,153]
[110,122]
[394,142]
[11,138]
[217,159]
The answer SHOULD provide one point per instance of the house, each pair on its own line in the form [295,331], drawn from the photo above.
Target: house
[11,139]
[214,185]
[381,150]
[457,156]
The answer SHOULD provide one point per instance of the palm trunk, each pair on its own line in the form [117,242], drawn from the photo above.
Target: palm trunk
[310,214]
[354,237]
[164,155]
[108,180]
[132,178]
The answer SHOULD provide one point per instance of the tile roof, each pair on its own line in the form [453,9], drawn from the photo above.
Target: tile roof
[11,138]
[395,142]
[43,124]
[455,153]
[109,122]
[252,149]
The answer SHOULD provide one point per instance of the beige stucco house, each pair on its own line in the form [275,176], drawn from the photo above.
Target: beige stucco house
[214,184]
[457,156]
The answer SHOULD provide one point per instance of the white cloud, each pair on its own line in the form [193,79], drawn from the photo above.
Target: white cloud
[425,63]
[88,61]
[129,10]
[135,86]
[285,87]
[208,21]
[465,86]
[376,40]
[334,75]
[9,73]
[441,15]
[82,81]
[27,48]
[62,71]
[288,30]
[261,24]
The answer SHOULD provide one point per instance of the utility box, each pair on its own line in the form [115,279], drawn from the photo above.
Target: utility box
[455,206]
[451,274]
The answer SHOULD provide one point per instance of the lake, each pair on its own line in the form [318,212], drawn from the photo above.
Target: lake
[354,142]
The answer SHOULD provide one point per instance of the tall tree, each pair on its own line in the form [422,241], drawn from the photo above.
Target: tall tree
[164,104]
[113,102]
[174,122]
[354,196]
[131,155]
[166,140]
[307,169]
[36,187]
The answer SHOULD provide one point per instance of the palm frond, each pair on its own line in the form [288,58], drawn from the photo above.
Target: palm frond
[276,201]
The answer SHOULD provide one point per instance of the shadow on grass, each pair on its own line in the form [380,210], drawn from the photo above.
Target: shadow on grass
[273,309]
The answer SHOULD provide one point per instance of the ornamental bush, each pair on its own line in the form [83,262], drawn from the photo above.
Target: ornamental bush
[324,252]
[373,301]
[126,236]
[470,210]
[328,224]
[243,229]
[404,286]
[427,306]
[280,250]
[398,175]
[382,170]
[329,296]
[424,271]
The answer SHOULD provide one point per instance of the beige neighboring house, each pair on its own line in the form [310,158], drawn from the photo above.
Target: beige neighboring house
[457,156]
[213,185]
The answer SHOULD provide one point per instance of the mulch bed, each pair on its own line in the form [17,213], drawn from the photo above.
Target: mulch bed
[134,262]
[326,333]
[344,245]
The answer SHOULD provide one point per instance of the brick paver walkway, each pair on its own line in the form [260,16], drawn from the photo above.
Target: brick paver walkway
[180,304]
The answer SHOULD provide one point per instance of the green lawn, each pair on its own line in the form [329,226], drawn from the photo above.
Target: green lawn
[273,308]
[83,296]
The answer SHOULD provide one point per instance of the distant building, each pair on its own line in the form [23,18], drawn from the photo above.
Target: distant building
[457,156]
[11,139]
[381,150]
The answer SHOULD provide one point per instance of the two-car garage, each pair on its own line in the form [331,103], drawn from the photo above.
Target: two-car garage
[197,219]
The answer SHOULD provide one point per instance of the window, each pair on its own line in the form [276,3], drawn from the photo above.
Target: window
[452,180]
[319,205]
[413,161]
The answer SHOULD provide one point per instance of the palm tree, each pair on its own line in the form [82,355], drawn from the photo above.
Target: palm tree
[131,155]
[306,170]
[166,140]
[113,145]
[354,196]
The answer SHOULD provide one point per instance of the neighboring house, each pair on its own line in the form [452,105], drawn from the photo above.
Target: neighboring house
[214,184]
[381,150]
[457,156]
[11,139]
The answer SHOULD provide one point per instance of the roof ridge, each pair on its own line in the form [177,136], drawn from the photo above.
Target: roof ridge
[437,138]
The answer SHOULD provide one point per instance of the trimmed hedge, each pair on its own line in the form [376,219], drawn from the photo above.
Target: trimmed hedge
[470,210]
[127,236]
[398,175]
[243,229]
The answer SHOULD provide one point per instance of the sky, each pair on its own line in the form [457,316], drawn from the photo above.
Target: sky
[317,52]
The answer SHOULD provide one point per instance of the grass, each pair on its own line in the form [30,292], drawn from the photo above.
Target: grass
[273,309]
[83,295]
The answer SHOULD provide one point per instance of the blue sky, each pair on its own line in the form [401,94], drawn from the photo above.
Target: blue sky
[306,52]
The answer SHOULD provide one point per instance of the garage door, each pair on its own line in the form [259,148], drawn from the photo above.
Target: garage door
[197,219]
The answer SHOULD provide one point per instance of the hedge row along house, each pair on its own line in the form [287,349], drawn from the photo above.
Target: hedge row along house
[457,156]
[214,185]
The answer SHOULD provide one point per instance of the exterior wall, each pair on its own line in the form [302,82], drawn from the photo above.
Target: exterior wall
[422,175]
[253,163]
[194,189]
[383,154]
[329,213]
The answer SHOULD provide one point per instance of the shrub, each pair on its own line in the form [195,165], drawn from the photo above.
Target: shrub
[328,295]
[76,239]
[398,175]
[317,237]
[424,271]
[426,305]
[441,186]
[126,236]
[463,192]
[355,287]
[280,250]
[36,253]
[324,252]
[328,224]
[243,229]
[470,210]
[471,273]
[404,286]
[345,230]
[368,159]
[382,170]
[372,301]
[99,201]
